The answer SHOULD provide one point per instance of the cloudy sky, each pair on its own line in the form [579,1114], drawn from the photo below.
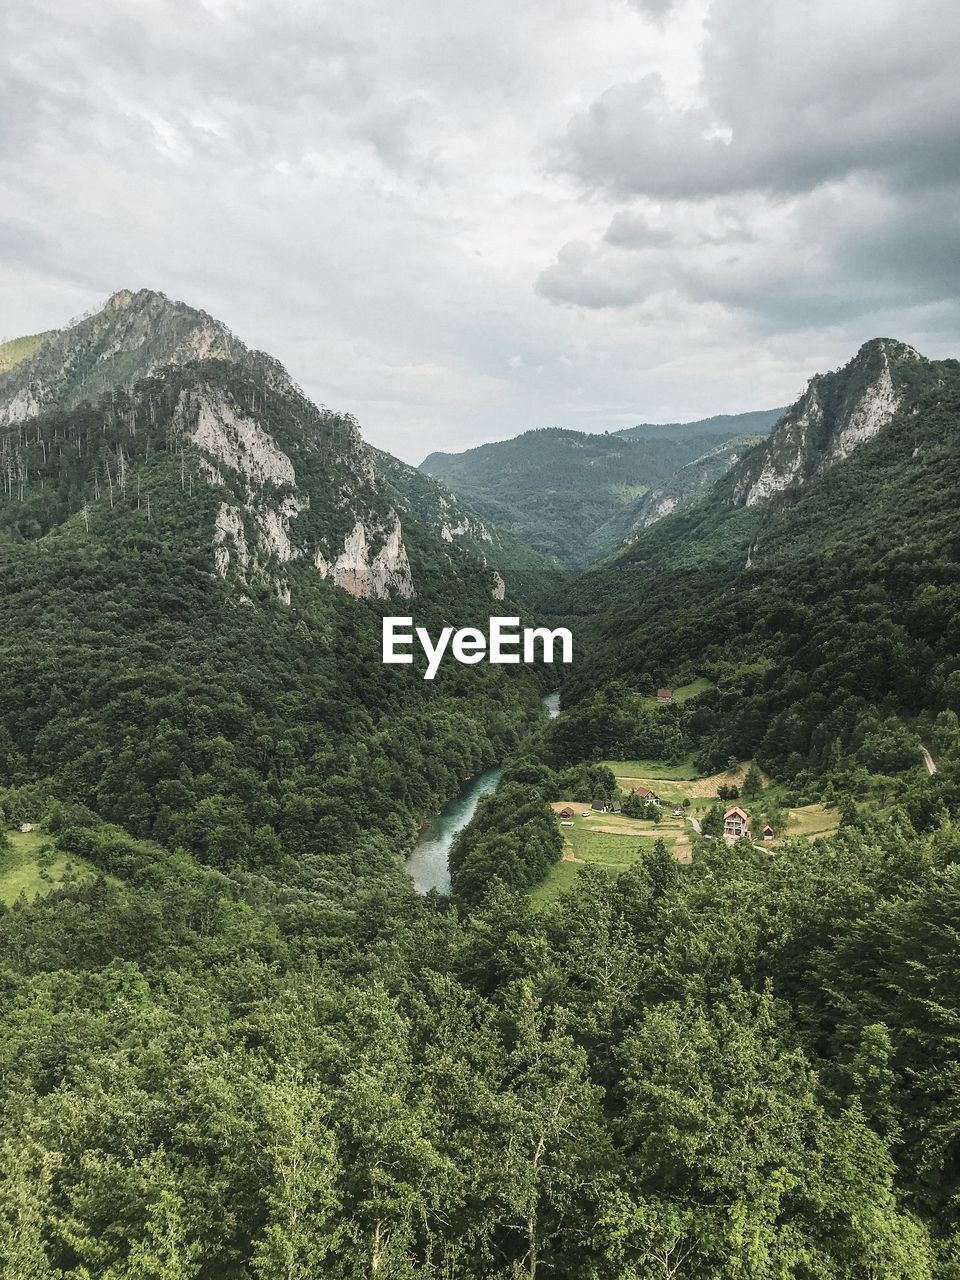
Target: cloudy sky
[463,221]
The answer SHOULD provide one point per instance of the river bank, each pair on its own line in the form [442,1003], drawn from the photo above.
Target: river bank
[427,863]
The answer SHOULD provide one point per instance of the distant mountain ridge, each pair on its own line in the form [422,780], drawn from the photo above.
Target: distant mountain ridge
[834,536]
[725,426]
[691,482]
[573,496]
[743,516]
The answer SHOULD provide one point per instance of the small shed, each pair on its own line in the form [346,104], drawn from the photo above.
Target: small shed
[768,832]
[26,827]
[566,813]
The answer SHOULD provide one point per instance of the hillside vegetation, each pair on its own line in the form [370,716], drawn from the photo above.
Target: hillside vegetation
[574,497]
[17,350]
[826,614]
[236,1045]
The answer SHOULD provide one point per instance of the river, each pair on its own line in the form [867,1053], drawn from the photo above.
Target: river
[427,864]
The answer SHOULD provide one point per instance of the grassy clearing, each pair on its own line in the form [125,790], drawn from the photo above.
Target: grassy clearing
[684,771]
[676,782]
[609,841]
[683,692]
[812,820]
[23,869]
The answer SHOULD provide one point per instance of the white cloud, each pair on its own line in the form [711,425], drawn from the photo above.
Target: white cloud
[373,191]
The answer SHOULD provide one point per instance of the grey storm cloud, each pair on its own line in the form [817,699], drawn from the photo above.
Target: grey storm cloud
[247,85]
[812,180]
[792,96]
[656,9]
[841,253]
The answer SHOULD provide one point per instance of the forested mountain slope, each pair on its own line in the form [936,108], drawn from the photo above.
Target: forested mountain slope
[572,496]
[433,505]
[822,608]
[16,350]
[235,1046]
[691,482]
[193,568]
[720,427]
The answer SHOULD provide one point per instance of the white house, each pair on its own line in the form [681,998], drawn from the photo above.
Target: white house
[736,823]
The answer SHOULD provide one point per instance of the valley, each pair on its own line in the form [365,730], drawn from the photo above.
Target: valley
[687,978]
[575,498]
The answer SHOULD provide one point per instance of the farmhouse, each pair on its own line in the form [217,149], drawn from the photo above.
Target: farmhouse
[647,796]
[605,806]
[664,695]
[736,823]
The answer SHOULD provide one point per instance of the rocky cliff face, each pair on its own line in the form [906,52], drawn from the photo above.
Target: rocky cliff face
[359,569]
[297,484]
[837,413]
[691,482]
[429,502]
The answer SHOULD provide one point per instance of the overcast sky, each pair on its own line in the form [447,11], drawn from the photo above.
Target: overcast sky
[460,221]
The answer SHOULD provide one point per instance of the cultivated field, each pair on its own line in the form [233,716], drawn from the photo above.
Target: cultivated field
[609,841]
[614,842]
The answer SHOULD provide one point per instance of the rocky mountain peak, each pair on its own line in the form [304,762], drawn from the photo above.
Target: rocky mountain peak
[129,338]
[120,300]
[836,413]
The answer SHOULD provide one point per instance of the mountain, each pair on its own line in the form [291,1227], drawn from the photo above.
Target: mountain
[236,1044]
[251,432]
[691,482]
[194,564]
[130,337]
[434,506]
[722,426]
[837,412]
[571,496]
[817,585]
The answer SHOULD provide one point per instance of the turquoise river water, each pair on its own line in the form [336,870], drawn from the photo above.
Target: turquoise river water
[427,863]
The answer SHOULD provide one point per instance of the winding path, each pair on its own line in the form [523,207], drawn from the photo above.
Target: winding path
[928,760]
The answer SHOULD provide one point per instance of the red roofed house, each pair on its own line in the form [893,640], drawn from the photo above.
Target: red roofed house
[664,695]
[736,823]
